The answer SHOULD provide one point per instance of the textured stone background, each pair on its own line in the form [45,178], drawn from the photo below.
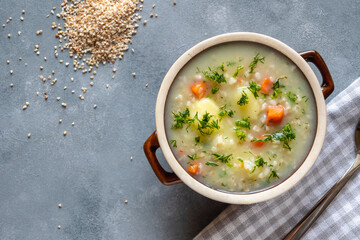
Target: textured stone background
[89,171]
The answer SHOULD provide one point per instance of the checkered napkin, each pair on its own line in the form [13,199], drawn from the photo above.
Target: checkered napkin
[273,219]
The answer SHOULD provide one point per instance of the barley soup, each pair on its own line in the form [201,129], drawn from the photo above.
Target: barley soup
[240,117]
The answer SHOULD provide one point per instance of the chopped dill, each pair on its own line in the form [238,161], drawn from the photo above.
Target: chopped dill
[255,61]
[254,88]
[173,143]
[237,70]
[243,99]
[243,123]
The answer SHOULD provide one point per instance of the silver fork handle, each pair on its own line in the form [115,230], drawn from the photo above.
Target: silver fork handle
[320,206]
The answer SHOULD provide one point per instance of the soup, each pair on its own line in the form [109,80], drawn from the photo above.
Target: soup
[240,117]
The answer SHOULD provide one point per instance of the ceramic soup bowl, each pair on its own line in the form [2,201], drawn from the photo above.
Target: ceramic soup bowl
[179,174]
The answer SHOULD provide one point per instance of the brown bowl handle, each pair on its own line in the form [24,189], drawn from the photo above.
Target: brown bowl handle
[313,56]
[150,147]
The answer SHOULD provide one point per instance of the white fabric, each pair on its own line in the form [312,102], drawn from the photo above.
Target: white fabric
[273,219]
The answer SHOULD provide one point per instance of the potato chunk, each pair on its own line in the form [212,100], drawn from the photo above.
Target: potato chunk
[204,105]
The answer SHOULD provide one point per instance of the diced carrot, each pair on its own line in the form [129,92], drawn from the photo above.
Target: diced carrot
[240,80]
[242,164]
[275,114]
[193,168]
[199,89]
[266,86]
[258,144]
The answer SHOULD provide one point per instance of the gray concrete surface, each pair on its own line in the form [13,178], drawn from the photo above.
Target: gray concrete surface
[89,171]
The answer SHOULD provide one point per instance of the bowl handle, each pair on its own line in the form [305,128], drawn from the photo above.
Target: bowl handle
[150,147]
[313,56]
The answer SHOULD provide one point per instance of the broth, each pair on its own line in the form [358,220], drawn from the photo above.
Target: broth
[240,117]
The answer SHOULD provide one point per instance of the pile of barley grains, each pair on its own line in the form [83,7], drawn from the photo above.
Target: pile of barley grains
[98,30]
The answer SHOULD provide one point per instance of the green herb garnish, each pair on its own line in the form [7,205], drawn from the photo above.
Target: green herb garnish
[292,96]
[215,76]
[306,98]
[211,164]
[273,174]
[244,99]
[192,157]
[206,126]
[250,153]
[240,134]
[173,143]
[222,158]
[214,90]
[243,123]
[255,62]
[182,118]
[222,67]
[254,88]
[284,136]
[225,112]
[230,63]
[239,159]
[259,163]
[197,140]
[276,93]
[237,70]
[276,87]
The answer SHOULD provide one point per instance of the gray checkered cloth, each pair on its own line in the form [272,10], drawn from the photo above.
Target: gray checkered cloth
[273,219]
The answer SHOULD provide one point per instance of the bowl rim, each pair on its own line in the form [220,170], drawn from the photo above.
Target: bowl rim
[262,195]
